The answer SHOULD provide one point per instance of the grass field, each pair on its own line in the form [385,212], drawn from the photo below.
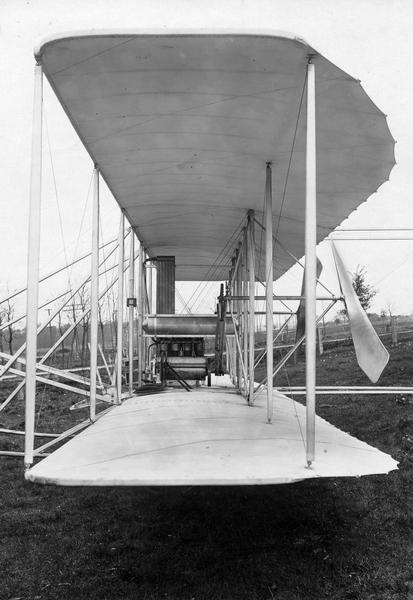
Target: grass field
[317,539]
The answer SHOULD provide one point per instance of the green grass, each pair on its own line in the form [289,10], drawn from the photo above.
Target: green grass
[337,538]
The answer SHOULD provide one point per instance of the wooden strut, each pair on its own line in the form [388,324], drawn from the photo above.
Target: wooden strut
[119,334]
[62,386]
[141,353]
[94,295]
[280,298]
[33,256]
[245,323]
[251,305]
[342,389]
[62,373]
[229,346]
[310,266]
[269,273]
[242,281]
[148,275]
[310,282]
[234,285]
[131,309]
[241,365]
[238,305]
[220,333]
[247,320]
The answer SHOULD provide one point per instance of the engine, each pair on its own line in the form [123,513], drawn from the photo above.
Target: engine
[179,359]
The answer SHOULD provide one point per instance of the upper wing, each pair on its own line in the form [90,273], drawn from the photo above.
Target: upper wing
[181,127]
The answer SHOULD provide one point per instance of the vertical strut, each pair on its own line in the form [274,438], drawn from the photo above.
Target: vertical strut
[131,308]
[269,273]
[149,277]
[140,277]
[33,255]
[310,264]
[239,316]
[230,307]
[251,304]
[119,337]
[94,294]
[234,308]
[245,313]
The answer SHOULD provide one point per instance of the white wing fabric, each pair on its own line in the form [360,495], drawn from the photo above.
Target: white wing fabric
[191,119]
[372,356]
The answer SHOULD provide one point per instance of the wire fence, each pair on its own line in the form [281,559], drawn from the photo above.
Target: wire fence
[331,333]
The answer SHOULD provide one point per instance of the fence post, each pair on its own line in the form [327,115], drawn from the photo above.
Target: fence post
[393,331]
[320,340]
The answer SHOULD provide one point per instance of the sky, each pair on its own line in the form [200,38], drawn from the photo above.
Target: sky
[369,39]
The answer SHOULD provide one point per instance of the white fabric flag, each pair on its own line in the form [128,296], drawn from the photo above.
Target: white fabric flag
[372,356]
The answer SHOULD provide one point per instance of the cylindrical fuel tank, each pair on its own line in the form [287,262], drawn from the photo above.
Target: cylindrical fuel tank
[175,325]
[188,367]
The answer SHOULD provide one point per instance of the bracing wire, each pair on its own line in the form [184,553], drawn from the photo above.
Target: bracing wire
[209,274]
[182,300]
[57,201]
[85,204]
[222,271]
[106,281]
[216,266]
[69,270]
[291,155]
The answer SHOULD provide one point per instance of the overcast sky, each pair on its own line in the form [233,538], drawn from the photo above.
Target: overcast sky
[369,39]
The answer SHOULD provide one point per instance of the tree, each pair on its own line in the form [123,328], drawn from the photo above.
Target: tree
[9,315]
[84,304]
[364,291]
[3,319]
[6,315]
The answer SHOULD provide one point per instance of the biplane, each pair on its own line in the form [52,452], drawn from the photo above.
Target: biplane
[231,155]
